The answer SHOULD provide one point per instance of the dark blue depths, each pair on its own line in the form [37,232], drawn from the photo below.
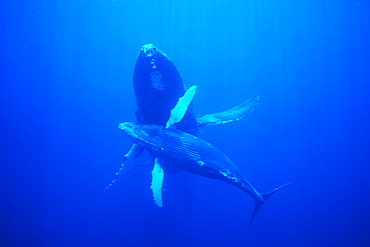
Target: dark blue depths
[66,82]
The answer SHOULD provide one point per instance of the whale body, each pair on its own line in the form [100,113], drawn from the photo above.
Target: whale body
[193,154]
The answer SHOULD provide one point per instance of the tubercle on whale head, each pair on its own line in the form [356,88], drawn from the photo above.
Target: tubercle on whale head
[126,126]
[130,129]
[141,134]
[148,50]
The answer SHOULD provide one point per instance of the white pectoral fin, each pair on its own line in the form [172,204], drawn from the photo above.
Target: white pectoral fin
[157,182]
[178,112]
[234,114]
[128,163]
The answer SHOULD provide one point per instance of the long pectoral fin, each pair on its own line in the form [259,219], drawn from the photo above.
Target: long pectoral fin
[157,182]
[178,112]
[128,163]
[230,115]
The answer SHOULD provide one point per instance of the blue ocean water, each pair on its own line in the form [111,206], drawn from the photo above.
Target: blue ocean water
[66,83]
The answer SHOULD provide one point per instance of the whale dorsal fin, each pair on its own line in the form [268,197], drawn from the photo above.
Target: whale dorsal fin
[157,182]
[178,112]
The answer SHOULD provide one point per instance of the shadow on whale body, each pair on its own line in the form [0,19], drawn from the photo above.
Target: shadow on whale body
[193,154]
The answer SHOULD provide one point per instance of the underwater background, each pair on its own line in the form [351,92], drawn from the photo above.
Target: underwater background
[66,83]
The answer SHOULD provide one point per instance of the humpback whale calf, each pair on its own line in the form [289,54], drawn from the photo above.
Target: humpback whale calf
[158,85]
[175,147]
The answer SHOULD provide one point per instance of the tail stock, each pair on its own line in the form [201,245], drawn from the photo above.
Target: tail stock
[259,203]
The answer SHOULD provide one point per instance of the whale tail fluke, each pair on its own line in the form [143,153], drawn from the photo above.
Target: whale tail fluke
[259,203]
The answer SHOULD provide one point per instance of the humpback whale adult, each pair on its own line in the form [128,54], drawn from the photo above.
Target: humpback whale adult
[190,153]
[158,85]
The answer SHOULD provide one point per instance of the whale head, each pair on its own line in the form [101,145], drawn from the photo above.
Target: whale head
[132,130]
[148,50]
[142,134]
